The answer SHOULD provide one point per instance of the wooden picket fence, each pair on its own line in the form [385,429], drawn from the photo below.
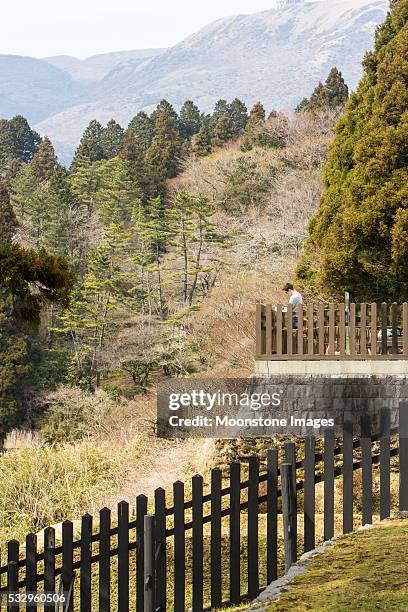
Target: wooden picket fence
[204,552]
[333,331]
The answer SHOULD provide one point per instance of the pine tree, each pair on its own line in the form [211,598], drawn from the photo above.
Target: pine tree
[190,119]
[223,131]
[84,182]
[28,281]
[142,129]
[44,161]
[90,145]
[254,126]
[116,198]
[8,220]
[331,94]
[221,108]
[18,142]
[196,242]
[358,239]
[111,139]
[163,155]
[238,113]
[164,107]
[155,227]
[202,145]
[133,154]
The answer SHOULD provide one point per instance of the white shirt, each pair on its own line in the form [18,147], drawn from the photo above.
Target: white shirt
[296,300]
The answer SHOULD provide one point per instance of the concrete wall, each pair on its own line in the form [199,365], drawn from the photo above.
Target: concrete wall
[327,367]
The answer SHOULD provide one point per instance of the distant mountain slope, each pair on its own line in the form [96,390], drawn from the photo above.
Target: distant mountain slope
[276,56]
[98,66]
[33,88]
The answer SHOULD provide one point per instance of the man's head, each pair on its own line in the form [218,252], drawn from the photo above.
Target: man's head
[288,288]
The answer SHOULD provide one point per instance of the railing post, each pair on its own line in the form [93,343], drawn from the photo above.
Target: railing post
[149,578]
[403,456]
[260,331]
[289,515]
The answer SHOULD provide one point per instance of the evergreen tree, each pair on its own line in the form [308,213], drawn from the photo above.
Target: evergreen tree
[112,139]
[28,281]
[202,142]
[8,220]
[196,242]
[164,107]
[155,227]
[254,126]
[221,108]
[358,239]
[100,303]
[331,94]
[116,198]
[90,145]
[17,142]
[190,119]
[44,161]
[133,154]
[163,155]
[142,128]
[238,113]
[223,131]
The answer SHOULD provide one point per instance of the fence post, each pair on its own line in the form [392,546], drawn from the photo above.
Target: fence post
[309,494]
[12,583]
[289,515]
[161,555]
[179,585]
[272,515]
[85,568]
[290,457]
[403,456]
[253,526]
[123,556]
[49,559]
[347,474]
[328,462]
[366,470]
[104,559]
[31,567]
[67,563]
[141,511]
[197,542]
[13,550]
[385,501]
[235,533]
[149,578]
[216,538]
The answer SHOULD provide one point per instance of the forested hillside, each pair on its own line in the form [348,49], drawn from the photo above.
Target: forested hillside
[145,259]
[358,240]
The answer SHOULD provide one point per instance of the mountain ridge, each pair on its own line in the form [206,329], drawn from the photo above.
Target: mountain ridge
[277,56]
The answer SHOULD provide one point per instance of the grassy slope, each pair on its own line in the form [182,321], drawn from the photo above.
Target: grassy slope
[364,571]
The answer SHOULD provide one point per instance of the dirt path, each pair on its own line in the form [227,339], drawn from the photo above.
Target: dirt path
[165,462]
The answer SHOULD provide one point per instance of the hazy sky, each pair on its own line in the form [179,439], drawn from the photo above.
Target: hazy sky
[86,27]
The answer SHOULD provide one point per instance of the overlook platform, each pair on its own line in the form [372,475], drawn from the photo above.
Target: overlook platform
[333,339]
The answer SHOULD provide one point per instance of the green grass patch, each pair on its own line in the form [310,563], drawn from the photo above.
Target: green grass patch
[364,571]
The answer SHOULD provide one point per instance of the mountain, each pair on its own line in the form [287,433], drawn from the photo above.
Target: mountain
[276,56]
[33,88]
[98,66]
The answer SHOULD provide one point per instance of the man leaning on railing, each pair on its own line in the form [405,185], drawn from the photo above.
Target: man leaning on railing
[296,301]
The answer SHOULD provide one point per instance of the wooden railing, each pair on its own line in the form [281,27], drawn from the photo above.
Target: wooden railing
[333,331]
